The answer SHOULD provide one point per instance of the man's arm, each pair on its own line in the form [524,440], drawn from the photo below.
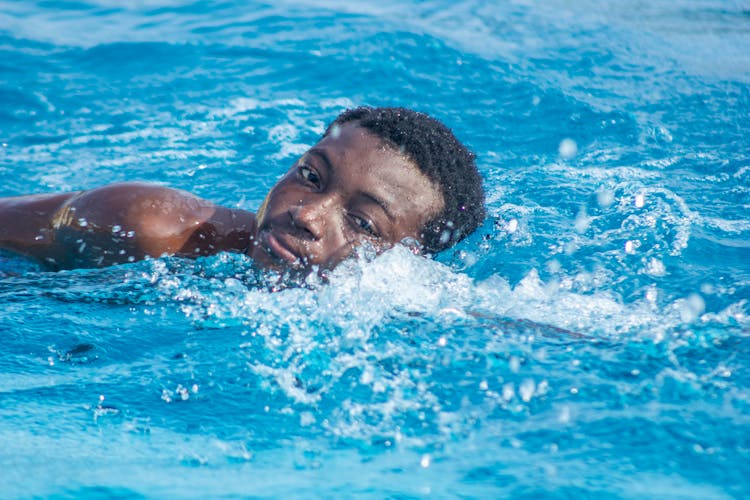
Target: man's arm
[119,223]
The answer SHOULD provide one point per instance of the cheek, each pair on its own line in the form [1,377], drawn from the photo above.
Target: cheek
[261,214]
[277,199]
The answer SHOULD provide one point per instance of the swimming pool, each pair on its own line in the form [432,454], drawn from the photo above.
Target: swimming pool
[592,339]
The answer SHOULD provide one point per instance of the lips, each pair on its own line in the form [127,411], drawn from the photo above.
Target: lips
[279,249]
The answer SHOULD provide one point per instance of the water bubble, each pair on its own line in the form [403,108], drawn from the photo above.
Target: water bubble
[567,149]
[468,258]
[425,461]
[639,200]
[306,418]
[691,308]
[183,392]
[442,342]
[526,390]
[630,246]
[564,416]
[655,267]
[483,386]
[605,198]
[445,236]
[554,266]
[582,222]
[515,364]
[508,391]
[367,376]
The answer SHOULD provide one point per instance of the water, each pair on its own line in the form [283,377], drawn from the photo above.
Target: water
[592,339]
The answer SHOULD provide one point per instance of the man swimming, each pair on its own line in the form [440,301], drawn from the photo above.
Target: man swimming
[378,175]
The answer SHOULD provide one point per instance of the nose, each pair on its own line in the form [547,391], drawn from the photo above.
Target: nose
[311,216]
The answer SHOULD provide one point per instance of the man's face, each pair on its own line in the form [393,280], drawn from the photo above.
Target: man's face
[347,189]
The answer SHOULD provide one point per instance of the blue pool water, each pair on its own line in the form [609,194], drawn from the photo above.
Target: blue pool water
[591,340]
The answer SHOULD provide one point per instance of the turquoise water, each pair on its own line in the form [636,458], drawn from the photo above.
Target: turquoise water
[592,339]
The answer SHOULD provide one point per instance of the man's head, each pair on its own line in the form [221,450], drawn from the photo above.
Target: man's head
[377,175]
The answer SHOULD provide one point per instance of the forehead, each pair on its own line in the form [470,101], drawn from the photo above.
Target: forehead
[364,164]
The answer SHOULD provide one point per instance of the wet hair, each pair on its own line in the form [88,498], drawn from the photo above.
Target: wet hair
[441,157]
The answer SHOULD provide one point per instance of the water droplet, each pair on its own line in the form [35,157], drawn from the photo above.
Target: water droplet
[582,221]
[83,222]
[640,200]
[335,131]
[116,228]
[564,416]
[526,390]
[306,418]
[567,149]
[508,391]
[425,461]
[444,237]
[605,198]
[655,267]
[514,363]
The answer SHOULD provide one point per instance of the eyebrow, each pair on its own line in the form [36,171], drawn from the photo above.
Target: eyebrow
[375,199]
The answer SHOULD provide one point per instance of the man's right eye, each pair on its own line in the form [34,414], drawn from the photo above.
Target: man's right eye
[309,175]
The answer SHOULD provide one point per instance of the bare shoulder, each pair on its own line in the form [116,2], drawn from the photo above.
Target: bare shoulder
[148,209]
[151,220]
[120,223]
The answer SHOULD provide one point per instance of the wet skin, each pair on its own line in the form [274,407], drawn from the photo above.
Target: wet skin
[348,189]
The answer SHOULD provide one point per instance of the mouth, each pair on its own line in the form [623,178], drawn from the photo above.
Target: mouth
[279,250]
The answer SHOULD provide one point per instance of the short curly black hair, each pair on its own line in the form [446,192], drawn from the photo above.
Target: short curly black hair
[440,156]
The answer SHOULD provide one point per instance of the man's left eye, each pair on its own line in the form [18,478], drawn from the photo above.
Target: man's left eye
[365,225]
